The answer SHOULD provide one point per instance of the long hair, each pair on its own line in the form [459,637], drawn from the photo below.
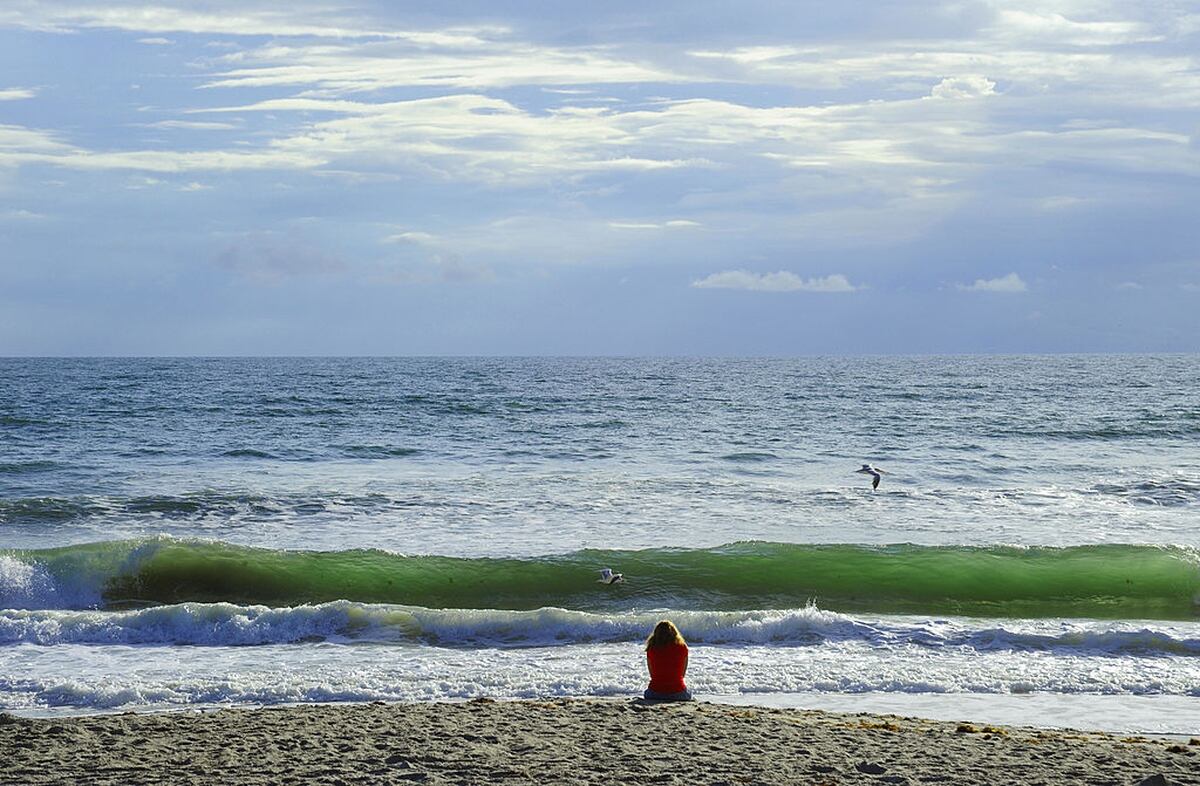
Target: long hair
[665,633]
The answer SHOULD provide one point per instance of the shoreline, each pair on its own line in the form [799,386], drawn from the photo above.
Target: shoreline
[568,741]
[1177,717]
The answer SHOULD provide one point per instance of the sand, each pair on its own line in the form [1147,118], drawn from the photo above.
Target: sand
[621,741]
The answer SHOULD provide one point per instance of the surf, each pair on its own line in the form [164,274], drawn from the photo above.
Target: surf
[345,622]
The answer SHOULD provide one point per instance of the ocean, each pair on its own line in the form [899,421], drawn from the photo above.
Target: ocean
[191,533]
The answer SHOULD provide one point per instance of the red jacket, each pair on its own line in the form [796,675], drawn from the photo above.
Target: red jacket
[667,666]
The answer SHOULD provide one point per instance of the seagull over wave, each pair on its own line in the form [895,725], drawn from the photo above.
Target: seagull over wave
[874,472]
[608,577]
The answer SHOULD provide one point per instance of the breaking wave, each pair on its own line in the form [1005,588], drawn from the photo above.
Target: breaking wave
[1097,581]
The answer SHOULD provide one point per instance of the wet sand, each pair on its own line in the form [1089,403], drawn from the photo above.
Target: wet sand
[579,741]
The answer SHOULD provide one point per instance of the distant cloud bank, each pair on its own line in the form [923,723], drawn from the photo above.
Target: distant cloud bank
[781,281]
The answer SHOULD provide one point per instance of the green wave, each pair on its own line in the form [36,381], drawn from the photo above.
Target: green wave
[1101,581]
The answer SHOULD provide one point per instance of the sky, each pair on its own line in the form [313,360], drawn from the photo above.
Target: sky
[368,177]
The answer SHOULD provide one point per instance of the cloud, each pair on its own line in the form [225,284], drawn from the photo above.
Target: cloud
[454,269]
[1030,68]
[482,138]
[140,182]
[272,258]
[1061,202]
[438,268]
[360,67]
[1057,29]
[16,93]
[318,21]
[156,41]
[904,142]
[1009,285]
[632,163]
[907,130]
[411,238]
[673,224]
[19,145]
[476,136]
[905,149]
[191,125]
[20,215]
[782,281]
[17,142]
[971,86]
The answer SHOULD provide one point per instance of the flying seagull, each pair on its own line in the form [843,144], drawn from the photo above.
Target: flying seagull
[874,472]
[608,577]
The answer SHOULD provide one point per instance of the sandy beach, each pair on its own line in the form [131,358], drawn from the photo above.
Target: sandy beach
[569,741]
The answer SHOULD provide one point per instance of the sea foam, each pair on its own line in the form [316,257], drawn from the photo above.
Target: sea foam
[344,622]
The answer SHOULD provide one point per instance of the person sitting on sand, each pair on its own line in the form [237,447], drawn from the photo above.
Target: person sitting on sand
[667,658]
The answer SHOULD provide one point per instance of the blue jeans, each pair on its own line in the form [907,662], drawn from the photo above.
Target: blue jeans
[651,695]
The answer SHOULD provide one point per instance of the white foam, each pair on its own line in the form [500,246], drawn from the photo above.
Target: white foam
[84,678]
[550,626]
[1158,715]
[25,586]
[36,585]
[226,624]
